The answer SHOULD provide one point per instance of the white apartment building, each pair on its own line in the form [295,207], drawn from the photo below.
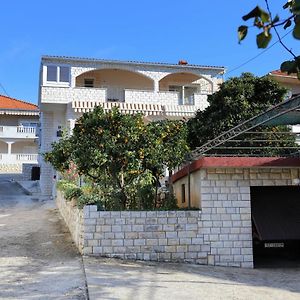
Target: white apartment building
[70,86]
[18,134]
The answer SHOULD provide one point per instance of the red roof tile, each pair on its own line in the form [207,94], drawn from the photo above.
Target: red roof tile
[279,73]
[11,103]
[236,162]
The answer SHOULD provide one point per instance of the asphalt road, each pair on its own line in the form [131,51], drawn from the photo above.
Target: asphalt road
[37,257]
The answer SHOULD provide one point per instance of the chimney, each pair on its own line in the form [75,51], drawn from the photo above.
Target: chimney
[182,62]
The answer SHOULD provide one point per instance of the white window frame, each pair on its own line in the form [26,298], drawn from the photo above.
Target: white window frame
[57,82]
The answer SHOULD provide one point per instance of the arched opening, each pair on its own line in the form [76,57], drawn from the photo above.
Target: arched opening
[115,81]
[187,85]
[26,147]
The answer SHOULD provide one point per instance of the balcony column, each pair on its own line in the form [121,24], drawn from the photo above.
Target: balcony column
[71,126]
[9,147]
[156,86]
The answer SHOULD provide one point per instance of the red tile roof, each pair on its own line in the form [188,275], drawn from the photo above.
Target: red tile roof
[279,73]
[236,162]
[11,103]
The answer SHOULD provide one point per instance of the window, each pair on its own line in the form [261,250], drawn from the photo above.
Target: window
[183,193]
[58,74]
[51,73]
[88,82]
[64,74]
[29,124]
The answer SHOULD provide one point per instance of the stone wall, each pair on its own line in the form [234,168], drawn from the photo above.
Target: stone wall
[224,196]
[73,217]
[16,171]
[64,95]
[152,235]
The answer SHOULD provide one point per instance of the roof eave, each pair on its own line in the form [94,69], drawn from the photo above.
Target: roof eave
[137,63]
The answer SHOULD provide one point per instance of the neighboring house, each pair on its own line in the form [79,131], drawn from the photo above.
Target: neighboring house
[18,134]
[71,86]
[291,82]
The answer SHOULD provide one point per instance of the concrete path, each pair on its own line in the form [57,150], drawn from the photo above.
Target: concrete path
[116,279]
[37,257]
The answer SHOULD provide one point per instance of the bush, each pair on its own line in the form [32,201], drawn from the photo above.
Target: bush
[63,185]
[72,193]
[88,200]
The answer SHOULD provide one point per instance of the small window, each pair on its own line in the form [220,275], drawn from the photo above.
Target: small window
[58,74]
[183,193]
[64,73]
[51,73]
[88,82]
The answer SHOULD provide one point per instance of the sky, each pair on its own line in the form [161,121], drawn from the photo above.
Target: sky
[200,32]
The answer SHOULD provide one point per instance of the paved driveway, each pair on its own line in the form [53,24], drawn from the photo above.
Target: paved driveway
[37,257]
[115,279]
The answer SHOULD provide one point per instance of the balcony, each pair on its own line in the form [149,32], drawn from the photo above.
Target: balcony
[19,132]
[18,158]
[64,95]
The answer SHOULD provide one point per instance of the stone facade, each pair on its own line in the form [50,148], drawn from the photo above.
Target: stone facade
[65,95]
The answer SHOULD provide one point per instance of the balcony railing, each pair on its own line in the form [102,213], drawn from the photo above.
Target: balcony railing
[18,158]
[64,95]
[18,132]
[126,108]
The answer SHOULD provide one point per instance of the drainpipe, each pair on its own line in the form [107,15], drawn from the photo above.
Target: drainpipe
[189,186]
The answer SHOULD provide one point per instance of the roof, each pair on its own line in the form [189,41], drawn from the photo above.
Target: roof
[15,104]
[84,59]
[278,73]
[236,162]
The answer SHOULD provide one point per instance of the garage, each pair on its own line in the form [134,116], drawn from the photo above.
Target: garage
[275,214]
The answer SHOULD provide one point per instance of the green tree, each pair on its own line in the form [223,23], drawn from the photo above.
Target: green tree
[120,153]
[266,23]
[237,100]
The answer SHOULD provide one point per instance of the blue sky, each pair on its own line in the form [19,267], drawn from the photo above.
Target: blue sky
[201,32]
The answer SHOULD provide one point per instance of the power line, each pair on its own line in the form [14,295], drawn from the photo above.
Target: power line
[4,90]
[261,53]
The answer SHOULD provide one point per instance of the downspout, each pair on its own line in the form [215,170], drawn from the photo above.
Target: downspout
[189,186]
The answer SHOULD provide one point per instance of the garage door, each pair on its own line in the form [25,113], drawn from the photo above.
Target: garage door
[276,212]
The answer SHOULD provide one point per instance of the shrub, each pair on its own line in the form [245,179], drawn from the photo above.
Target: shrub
[72,193]
[88,200]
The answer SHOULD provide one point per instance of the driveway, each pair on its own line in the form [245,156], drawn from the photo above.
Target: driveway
[37,257]
[116,279]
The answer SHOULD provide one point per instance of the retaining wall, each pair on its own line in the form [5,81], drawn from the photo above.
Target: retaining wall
[178,236]
[73,217]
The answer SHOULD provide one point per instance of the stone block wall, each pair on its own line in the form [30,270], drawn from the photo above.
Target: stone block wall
[201,101]
[48,129]
[26,171]
[152,235]
[226,210]
[64,95]
[10,168]
[73,217]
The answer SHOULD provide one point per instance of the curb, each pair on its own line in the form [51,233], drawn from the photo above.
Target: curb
[85,278]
